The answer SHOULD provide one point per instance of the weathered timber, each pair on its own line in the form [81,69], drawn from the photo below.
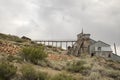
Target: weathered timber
[56,42]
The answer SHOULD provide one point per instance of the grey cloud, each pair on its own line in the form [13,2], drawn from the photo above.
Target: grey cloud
[61,19]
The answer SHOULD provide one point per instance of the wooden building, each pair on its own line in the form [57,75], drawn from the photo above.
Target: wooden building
[85,44]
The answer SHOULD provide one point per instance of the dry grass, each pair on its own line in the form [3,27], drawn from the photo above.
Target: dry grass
[95,76]
[98,68]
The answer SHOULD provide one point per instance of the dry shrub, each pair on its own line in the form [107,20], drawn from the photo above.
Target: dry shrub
[95,76]
[7,71]
[115,74]
[29,73]
[78,67]
[62,76]
[34,54]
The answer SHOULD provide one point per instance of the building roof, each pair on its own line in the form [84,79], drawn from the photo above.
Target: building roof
[103,42]
[92,41]
[100,42]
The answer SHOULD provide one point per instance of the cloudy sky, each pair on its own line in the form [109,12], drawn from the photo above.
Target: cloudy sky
[61,19]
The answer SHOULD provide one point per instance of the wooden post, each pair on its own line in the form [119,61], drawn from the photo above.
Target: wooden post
[115,48]
[66,45]
[72,43]
[44,42]
[61,44]
[40,42]
[48,43]
[52,44]
[56,43]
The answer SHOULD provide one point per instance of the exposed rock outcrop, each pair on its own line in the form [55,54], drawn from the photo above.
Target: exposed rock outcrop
[7,47]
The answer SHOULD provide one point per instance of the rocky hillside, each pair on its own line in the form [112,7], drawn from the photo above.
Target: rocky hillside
[8,47]
[22,59]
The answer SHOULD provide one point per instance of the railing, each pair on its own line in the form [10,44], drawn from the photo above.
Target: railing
[56,42]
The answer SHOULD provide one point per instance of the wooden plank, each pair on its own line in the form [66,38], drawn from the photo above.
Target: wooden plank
[115,48]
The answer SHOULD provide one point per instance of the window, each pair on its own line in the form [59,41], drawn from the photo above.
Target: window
[99,48]
[109,55]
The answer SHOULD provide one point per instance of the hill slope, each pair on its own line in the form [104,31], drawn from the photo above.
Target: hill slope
[56,66]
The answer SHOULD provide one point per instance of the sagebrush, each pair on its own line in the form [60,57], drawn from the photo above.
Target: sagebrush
[7,70]
[34,54]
